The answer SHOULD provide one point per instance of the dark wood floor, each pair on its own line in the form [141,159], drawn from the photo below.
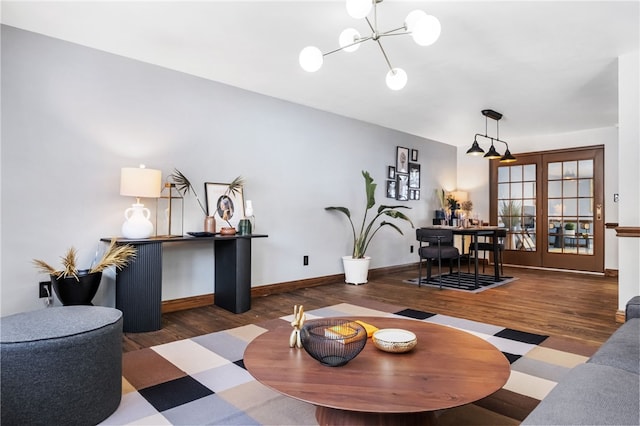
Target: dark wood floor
[570,305]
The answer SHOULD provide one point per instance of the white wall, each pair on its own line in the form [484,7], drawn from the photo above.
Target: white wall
[473,173]
[629,176]
[73,116]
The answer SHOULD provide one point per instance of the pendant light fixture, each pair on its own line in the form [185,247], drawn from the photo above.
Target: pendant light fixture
[425,30]
[492,154]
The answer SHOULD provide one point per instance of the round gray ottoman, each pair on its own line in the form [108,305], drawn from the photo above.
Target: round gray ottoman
[60,365]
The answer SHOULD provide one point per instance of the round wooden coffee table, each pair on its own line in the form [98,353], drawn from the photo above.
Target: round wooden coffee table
[446,369]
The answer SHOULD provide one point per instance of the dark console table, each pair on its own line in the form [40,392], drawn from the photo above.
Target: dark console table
[139,285]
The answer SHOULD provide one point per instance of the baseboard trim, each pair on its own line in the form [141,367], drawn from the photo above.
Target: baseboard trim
[185,303]
[620,317]
[611,273]
[199,301]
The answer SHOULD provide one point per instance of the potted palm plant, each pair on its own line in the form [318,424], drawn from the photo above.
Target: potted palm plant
[75,286]
[356,266]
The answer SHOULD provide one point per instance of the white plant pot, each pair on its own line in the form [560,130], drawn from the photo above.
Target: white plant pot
[355,270]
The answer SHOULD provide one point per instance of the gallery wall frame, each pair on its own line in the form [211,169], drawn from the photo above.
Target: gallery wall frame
[402,160]
[402,186]
[414,175]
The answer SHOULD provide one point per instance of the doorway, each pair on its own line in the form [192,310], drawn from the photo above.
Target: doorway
[552,205]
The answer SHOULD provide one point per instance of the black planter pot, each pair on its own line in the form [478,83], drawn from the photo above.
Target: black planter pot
[71,291]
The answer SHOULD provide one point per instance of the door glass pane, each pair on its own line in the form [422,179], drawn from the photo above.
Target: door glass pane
[529,190]
[555,171]
[570,188]
[503,174]
[585,187]
[516,190]
[570,207]
[529,172]
[503,190]
[585,168]
[516,206]
[554,189]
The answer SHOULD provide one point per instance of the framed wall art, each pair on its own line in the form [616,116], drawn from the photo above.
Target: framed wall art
[402,160]
[414,175]
[414,155]
[402,187]
[391,189]
[228,209]
[391,172]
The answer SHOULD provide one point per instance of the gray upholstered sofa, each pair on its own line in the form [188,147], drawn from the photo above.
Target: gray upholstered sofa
[604,390]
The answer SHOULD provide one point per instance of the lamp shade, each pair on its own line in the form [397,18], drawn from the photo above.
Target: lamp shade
[140,182]
[460,195]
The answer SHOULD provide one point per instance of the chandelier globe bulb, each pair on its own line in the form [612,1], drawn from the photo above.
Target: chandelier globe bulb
[311,59]
[426,29]
[359,9]
[347,37]
[412,18]
[396,79]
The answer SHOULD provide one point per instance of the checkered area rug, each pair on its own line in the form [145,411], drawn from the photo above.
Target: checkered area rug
[467,282]
[203,380]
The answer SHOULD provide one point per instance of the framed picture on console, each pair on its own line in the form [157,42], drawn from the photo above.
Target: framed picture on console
[224,207]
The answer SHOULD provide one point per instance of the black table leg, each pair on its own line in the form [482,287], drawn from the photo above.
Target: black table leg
[139,290]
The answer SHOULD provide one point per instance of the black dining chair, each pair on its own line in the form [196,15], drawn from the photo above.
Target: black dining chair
[440,246]
[487,246]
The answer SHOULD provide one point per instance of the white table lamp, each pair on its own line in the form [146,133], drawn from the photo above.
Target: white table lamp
[139,182]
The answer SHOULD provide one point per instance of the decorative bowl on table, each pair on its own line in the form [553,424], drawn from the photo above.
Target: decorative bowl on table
[395,340]
[333,341]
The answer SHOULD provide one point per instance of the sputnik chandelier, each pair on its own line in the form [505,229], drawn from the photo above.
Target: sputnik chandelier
[492,154]
[425,30]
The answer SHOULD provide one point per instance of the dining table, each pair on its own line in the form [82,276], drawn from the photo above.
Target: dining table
[475,232]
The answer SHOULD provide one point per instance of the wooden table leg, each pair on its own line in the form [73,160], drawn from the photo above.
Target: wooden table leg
[335,417]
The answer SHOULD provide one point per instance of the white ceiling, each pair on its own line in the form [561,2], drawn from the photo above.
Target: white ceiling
[548,66]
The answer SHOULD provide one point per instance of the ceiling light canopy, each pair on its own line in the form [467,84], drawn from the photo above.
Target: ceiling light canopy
[492,154]
[424,29]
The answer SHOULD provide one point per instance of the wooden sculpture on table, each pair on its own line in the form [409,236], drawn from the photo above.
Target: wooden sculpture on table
[298,320]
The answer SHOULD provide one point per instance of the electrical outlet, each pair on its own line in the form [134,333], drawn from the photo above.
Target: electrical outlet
[305,260]
[44,289]
[616,198]
[410,249]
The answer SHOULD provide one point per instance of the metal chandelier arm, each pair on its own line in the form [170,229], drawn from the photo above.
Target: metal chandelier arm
[360,40]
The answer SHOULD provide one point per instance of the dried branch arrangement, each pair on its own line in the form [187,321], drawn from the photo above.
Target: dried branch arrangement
[118,256]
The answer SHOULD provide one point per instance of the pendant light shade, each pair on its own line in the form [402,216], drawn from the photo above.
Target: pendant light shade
[507,157]
[475,149]
[492,154]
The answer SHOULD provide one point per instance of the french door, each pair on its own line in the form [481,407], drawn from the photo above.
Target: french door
[552,205]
